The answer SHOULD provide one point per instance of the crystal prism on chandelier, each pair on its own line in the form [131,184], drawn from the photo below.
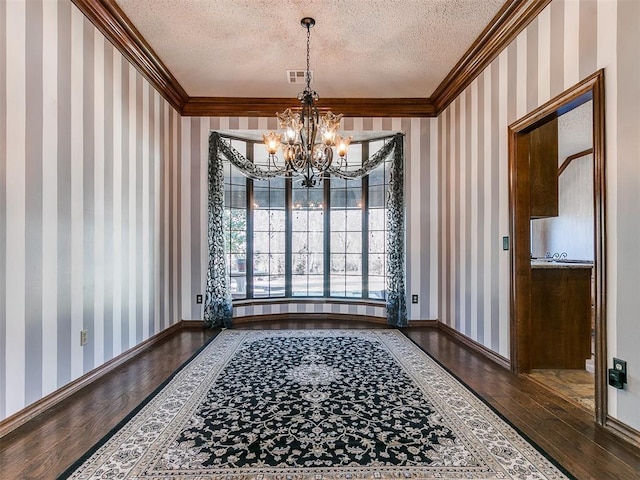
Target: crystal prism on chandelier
[308,139]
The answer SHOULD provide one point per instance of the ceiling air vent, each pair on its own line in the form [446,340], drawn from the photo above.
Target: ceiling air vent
[297,76]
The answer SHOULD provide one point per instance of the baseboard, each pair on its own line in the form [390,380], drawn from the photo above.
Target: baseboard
[423,323]
[9,424]
[623,430]
[478,347]
[310,316]
[193,324]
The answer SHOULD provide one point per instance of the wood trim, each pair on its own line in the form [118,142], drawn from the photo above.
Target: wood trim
[475,346]
[21,417]
[107,16]
[573,157]
[623,430]
[423,323]
[310,316]
[193,324]
[600,229]
[349,107]
[512,18]
[591,87]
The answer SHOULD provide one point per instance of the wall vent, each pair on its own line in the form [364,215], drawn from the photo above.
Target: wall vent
[298,76]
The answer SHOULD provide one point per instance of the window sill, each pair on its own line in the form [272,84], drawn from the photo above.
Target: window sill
[309,300]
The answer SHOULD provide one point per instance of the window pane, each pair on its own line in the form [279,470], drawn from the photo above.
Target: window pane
[261,220]
[354,220]
[300,264]
[338,242]
[316,197]
[316,285]
[316,263]
[299,285]
[276,286]
[261,286]
[276,198]
[276,242]
[338,197]
[260,197]
[376,177]
[377,219]
[338,220]
[316,242]
[353,264]
[299,242]
[299,221]
[337,288]
[377,196]
[316,221]
[376,242]
[377,287]
[260,264]
[276,218]
[353,287]
[376,264]
[354,197]
[338,263]
[278,183]
[276,264]
[261,242]
[354,242]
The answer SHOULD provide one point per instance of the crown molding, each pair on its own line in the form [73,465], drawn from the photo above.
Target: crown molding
[512,18]
[107,16]
[349,107]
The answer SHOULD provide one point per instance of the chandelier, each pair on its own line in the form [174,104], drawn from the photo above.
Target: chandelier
[308,139]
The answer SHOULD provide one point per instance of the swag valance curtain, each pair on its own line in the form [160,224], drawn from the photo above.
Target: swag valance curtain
[218,305]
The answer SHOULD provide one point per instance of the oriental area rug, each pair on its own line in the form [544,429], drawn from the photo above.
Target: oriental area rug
[314,405]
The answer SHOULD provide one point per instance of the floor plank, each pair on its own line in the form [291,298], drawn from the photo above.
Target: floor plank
[45,446]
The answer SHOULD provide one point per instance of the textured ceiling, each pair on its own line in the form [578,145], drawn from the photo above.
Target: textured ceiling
[575,131]
[359,48]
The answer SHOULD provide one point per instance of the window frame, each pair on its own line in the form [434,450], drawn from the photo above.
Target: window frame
[249,294]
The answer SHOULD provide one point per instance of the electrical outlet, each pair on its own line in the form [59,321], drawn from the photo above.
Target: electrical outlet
[84,334]
[198,298]
[505,243]
[414,298]
[620,366]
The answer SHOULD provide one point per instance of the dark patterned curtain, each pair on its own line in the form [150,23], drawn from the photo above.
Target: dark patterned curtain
[218,309]
[217,305]
[396,296]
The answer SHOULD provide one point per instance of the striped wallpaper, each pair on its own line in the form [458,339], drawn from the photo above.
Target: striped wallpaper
[103,191]
[421,199]
[567,42]
[88,175]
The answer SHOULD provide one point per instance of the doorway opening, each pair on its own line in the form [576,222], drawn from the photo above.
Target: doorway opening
[558,235]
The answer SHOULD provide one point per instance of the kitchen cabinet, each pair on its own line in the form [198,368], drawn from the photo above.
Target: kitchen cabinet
[543,164]
[560,315]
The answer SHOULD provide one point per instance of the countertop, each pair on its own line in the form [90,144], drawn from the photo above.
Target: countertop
[560,263]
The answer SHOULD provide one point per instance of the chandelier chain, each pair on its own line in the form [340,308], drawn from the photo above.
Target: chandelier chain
[308,57]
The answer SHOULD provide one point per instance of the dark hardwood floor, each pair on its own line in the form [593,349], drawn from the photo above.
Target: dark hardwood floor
[45,446]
